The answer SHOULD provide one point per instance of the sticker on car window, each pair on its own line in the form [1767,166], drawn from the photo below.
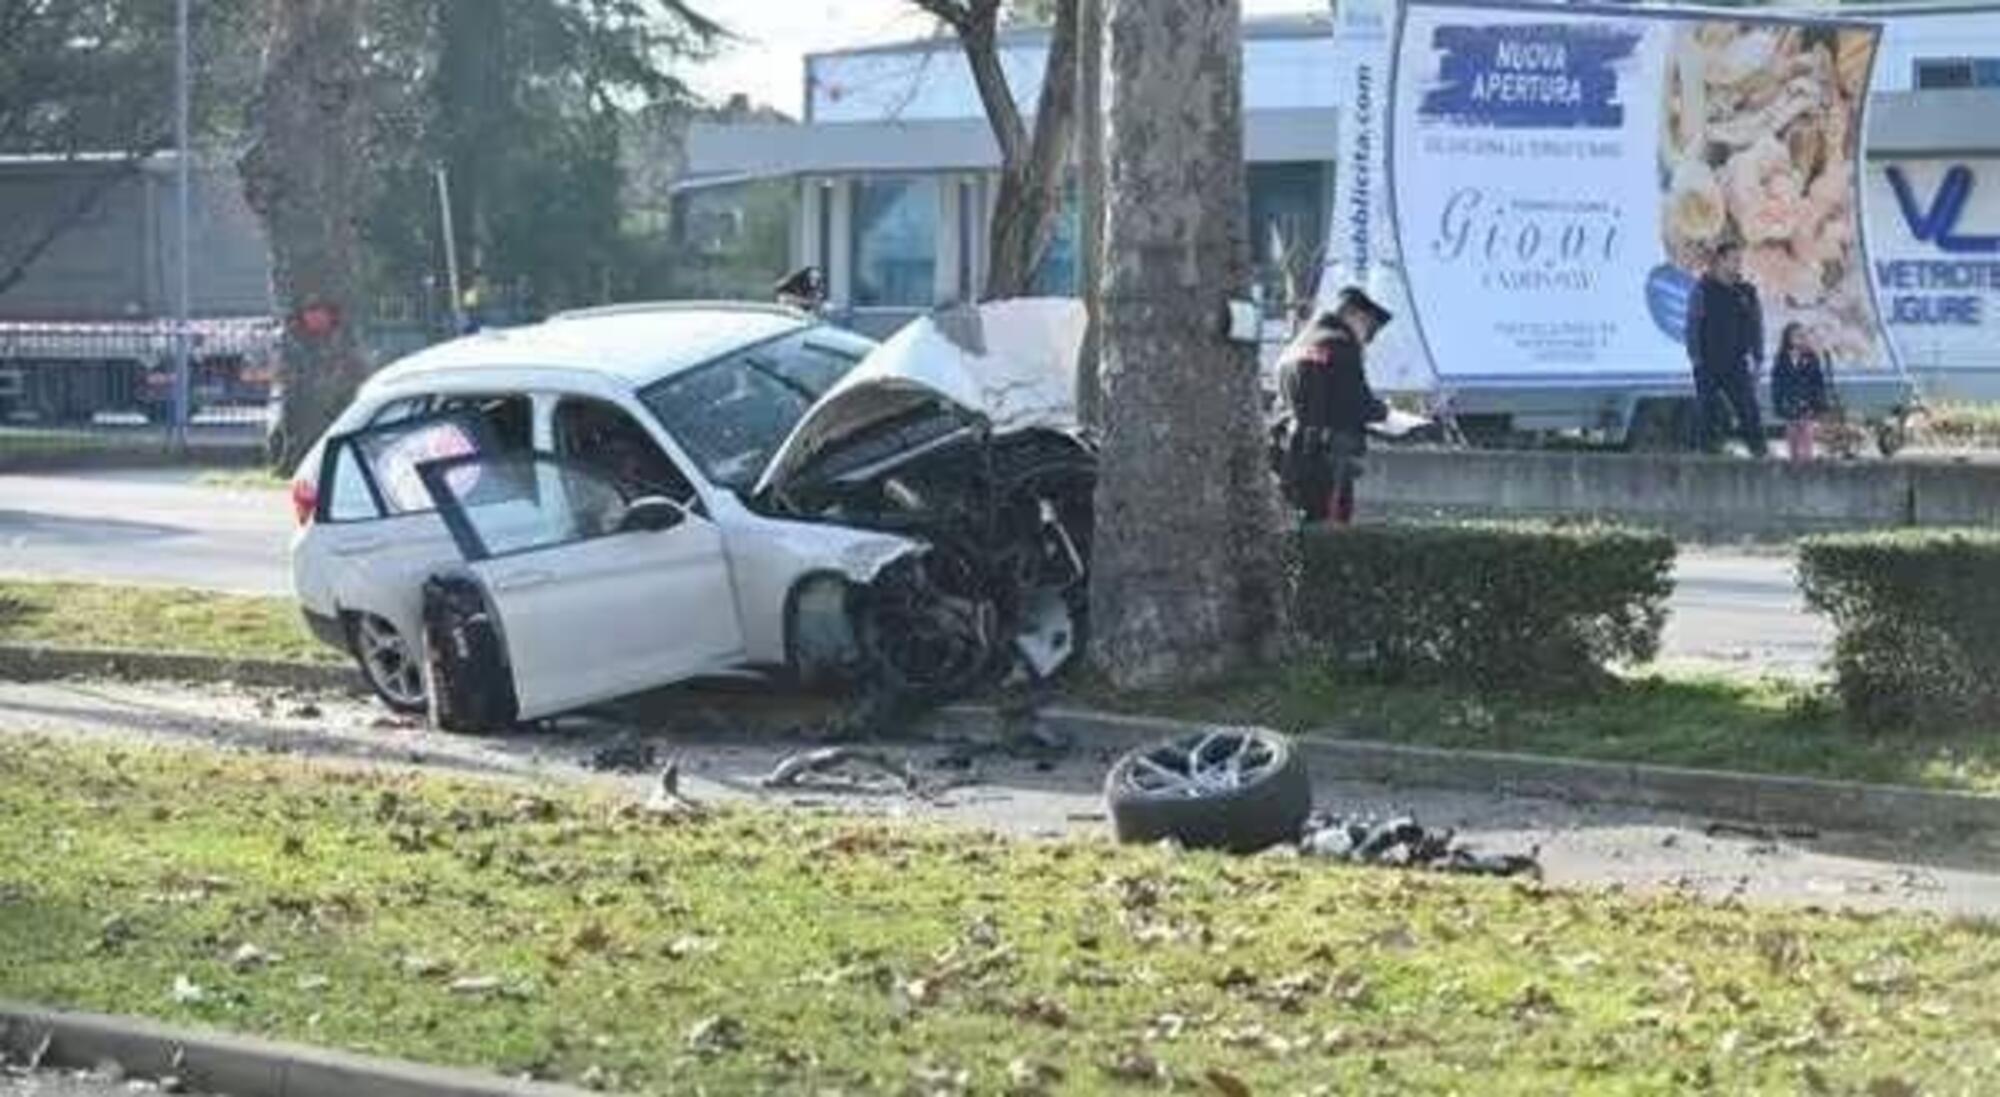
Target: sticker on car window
[397,463]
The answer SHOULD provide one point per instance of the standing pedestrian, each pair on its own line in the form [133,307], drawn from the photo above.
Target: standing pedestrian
[1324,382]
[1798,389]
[1725,345]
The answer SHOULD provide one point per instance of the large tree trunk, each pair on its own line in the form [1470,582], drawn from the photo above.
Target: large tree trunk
[1090,170]
[1188,581]
[305,174]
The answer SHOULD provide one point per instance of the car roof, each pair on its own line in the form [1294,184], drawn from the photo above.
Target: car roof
[633,344]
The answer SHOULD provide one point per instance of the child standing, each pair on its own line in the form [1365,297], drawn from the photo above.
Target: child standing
[1798,389]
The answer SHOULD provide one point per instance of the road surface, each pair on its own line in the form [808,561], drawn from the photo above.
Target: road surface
[1734,607]
[726,748]
[68,1084]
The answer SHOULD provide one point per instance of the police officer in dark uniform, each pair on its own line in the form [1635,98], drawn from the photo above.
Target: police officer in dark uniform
[1325,385]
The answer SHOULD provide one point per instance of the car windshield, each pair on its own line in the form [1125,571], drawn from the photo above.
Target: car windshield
[732,414]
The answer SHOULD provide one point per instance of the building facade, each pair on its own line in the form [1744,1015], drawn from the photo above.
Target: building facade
[895,166]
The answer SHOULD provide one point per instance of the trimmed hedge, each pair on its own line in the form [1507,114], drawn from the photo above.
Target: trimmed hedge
[1918,615]
[1507,605]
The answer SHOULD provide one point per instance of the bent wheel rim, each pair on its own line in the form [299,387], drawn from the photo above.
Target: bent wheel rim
[1212,764]
[387,659]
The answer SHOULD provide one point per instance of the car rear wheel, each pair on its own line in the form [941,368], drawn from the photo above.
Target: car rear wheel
[1236,789]
[389,661]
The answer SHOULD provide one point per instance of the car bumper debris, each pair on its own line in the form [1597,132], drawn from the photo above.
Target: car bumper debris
[1402,841]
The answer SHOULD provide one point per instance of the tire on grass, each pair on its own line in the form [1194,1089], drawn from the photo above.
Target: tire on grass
[1188,790]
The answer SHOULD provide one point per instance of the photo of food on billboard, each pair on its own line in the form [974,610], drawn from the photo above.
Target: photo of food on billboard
[1760,143]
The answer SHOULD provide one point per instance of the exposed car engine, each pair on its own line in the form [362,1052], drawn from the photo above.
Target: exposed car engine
[1006,524]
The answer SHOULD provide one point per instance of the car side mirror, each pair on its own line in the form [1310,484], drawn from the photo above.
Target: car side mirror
[652,514]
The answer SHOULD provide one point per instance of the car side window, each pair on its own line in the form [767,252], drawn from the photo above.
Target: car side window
[510,420]
[395,411]
[349,499]
[603,437]
[405,434]
[525,502]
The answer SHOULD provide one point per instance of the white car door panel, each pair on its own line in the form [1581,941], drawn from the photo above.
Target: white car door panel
[589,608]
[381,536]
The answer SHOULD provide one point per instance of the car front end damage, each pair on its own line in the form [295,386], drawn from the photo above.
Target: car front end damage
[957,437]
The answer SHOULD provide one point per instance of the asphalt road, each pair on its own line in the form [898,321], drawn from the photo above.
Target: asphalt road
[68,1084]
[1733,607]
[724,751]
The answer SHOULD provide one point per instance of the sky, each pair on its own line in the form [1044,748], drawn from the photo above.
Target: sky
[773,36]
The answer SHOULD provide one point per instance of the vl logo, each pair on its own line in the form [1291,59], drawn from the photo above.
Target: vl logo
[1939,223]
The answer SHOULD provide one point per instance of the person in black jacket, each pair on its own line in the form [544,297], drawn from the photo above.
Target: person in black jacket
[1725,345]
[1798,389]
[1324,382]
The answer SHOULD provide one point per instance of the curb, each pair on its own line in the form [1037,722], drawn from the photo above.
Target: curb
[1744,797]
[35,663]
[241,1066]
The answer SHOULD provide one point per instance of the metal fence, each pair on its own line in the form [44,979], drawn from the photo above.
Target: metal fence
[110,387]
[91,389]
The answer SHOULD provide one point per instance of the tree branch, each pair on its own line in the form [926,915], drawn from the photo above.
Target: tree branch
[977,24]
[1055,111]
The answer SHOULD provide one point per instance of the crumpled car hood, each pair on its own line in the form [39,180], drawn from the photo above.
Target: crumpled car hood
[1010,362]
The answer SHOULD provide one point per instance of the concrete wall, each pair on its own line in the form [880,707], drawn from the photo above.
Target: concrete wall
[1702,497]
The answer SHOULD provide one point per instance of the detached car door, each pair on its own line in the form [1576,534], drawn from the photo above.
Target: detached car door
[598,594]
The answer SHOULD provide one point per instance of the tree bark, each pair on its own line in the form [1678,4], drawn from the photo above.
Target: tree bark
[1090,169]
[1188,580]
[305,174]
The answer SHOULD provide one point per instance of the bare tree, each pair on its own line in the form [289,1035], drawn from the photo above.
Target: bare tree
[305,174]
[1032,164]
[1188,578]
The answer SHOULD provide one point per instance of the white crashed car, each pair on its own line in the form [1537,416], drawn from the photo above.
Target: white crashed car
[531,520]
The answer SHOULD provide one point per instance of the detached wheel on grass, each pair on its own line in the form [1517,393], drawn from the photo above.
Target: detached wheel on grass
[389,663]
[1235,789]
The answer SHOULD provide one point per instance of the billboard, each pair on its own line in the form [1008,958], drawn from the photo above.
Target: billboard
[1934,242]
[1361,240]
[1560,172]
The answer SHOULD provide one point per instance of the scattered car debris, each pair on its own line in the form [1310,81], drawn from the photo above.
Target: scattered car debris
[1760,833]
[626,754]
[666,798]
[793,770]
[1246,790]
[1405,842]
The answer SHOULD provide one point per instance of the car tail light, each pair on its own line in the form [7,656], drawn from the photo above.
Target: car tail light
[305,500]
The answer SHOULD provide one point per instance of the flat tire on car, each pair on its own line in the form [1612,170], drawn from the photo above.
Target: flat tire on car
[389,663]
[472,687]
[1235,789]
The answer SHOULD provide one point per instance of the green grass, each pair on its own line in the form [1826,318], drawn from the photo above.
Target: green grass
[156,619]
[1668,717]
[766,952]
[260,479]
